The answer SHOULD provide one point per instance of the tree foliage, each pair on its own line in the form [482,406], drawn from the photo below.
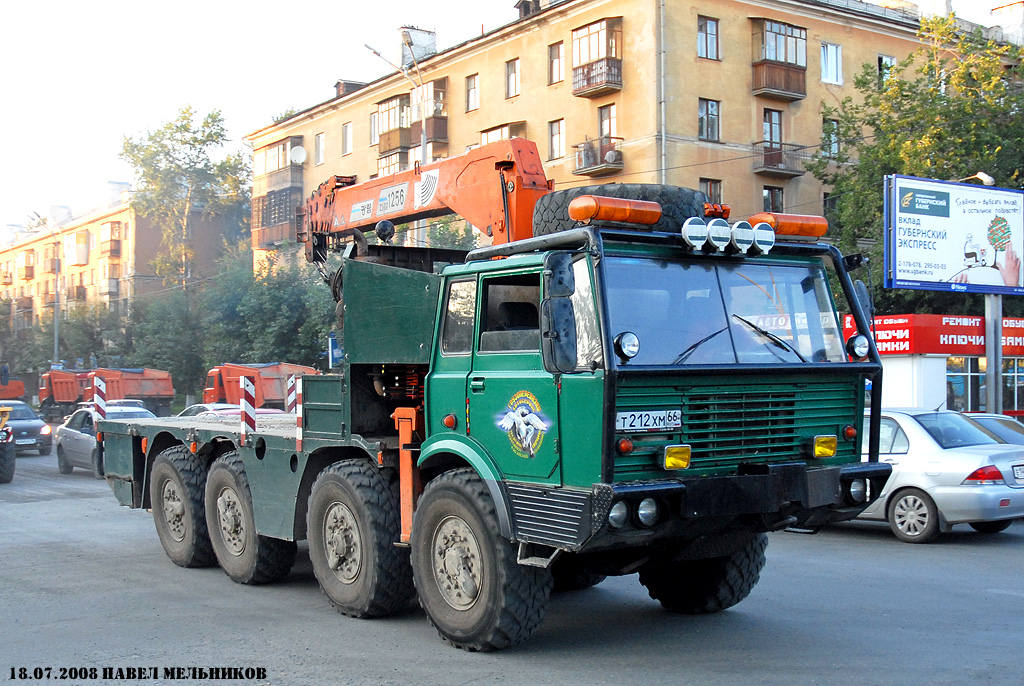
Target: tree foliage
[952,108]
[180,179]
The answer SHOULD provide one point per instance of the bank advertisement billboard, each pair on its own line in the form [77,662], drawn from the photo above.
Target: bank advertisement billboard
[946,236]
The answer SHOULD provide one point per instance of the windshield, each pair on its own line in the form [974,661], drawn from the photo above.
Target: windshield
[953,430]
[704,312]
[22,412]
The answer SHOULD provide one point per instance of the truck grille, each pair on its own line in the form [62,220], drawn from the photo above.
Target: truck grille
[733,423]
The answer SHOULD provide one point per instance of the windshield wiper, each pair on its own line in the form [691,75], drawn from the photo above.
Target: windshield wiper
[689,351]
[782,343]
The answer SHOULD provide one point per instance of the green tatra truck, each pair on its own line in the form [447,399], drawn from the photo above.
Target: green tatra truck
[622,383]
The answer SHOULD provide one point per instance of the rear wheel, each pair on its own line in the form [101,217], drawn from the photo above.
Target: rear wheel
[474,592]
[96,460]
[709,585]
[991,527]
[244,555]
[352,524]
[570,574]
[63,465]
[913,517]
[8,458]
[176,487]
[551,212]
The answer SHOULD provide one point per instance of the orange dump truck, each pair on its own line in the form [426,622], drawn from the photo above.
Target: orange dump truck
[14,389]
[271,382]
[153,387]
[60,391]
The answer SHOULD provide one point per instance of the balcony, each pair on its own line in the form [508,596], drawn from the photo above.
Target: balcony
[75,294]
[51,265]
[597,78]
[108,287]
[26,273]
[111,248]
[437,130]
[598,157]
[24,304]
[782,160]
[269,237]
[397,139]
[7,279]
[779,81]
[47,299]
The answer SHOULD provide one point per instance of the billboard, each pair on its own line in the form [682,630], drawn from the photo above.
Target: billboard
[947,236]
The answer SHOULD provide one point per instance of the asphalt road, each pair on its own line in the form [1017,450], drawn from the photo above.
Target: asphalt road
[84,583]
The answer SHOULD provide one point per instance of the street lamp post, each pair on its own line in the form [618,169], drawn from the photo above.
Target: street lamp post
[56,300]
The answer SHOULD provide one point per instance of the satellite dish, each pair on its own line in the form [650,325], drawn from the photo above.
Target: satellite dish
[297,154]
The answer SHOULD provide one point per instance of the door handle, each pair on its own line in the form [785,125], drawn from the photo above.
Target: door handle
[476,384]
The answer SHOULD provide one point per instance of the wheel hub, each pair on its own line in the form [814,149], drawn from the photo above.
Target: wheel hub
[174,511]
[911,515]
[457,568]
[229,514]
[342,543]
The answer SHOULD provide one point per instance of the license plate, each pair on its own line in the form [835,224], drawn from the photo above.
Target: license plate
[1018,472]
[25,441]
[659,420]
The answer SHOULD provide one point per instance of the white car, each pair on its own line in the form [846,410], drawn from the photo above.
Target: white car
[76,438]
[946,470]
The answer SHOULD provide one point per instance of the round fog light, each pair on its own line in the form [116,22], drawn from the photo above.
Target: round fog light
[858,490]
[647,513]
[618,514]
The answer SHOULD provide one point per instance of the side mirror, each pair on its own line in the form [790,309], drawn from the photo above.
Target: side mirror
[865,299]
[559,281]
[558,335]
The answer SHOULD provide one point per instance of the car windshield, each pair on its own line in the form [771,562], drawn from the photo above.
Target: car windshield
[953,430]
[723,312]
[22,413]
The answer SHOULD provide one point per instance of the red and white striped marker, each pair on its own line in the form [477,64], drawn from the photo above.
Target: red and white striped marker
[298,414]
[289,403]
[99,396]
[247,398]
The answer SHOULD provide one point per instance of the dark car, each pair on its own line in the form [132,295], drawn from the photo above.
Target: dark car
[76,438]
[30,431]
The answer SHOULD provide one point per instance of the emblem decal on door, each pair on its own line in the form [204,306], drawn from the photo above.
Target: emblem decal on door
[524,423]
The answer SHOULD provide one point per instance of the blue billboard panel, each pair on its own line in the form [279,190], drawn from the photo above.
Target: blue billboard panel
[947,236]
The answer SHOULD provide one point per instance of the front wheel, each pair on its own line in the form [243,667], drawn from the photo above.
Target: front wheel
[913,517]
[63,465]
[352,524]
[8,458]
[474,592]
[244,555]
[991,527]
[709,585]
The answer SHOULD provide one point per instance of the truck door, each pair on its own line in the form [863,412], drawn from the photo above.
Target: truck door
[453,357]
[513,401]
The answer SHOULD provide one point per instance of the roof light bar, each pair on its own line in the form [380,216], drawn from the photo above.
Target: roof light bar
[793,226]
[587,208]
[714,209]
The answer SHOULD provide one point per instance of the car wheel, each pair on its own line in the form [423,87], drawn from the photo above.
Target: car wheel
[913,517]
[991,527]
[63,465]
[96,460]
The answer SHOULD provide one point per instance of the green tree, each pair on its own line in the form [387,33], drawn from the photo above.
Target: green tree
[168,334]
[451,232]
[179,179]
[949,110]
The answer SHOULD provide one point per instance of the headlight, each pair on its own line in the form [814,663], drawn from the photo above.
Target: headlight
[858,490]
[45,431]
[618,515]
[858,346]
[627,345]
[647,512]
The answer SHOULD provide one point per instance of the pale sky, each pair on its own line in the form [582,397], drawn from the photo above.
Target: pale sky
[77,77]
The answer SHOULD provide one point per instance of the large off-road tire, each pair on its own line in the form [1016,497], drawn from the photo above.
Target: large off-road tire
[709,585]
[352,525]
[467,578]
[570,574]
[8,458]
[63,465]
[177,486]
[244,555]
[913,516]
[551,213]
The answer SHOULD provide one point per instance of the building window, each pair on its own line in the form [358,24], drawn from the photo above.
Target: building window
[707,38]
[606,120]
[772,199]
[393,114]
[271,158]
[830,137]
[713,189]
[832,63]
[392,164]
[472,92]
[346,138]
[830,208]
[498,133]
[773,128]
[556,139]
[374,133]
[885,65]
[708,120]
[595,42]
[512,78]
[416,155]
[784,43]
[556,62]
[320,149]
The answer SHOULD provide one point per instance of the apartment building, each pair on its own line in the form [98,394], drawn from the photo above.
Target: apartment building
[721,95]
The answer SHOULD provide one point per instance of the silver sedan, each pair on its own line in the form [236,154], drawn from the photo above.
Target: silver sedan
[945,471]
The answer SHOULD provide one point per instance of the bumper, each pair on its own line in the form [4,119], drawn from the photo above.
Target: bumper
[759,498]
[42,444]
[960,504]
